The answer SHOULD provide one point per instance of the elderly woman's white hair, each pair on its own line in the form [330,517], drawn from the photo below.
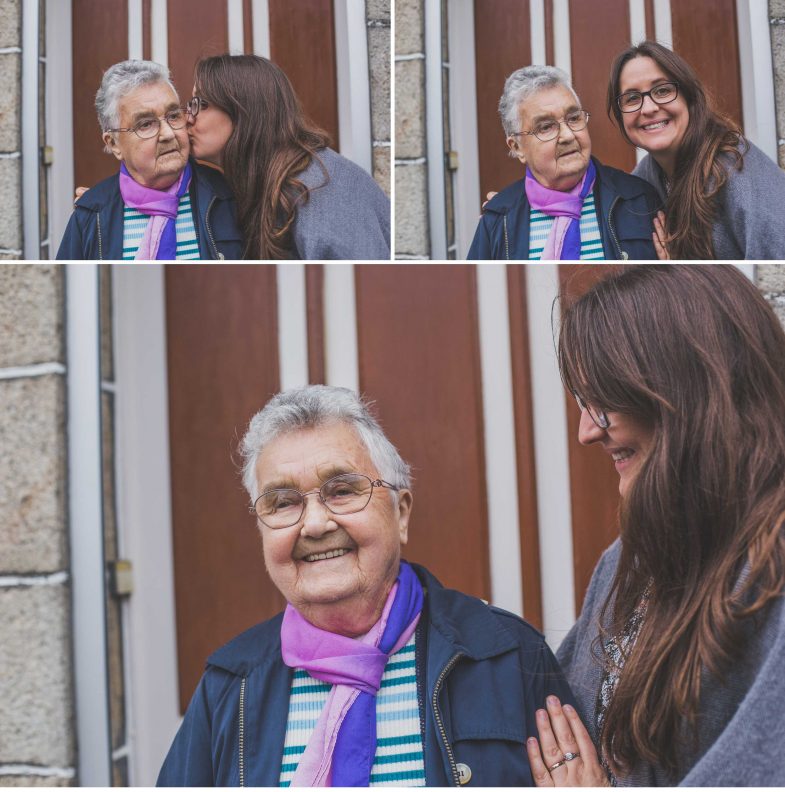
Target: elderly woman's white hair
[522,84]
[311,407]
[119,80]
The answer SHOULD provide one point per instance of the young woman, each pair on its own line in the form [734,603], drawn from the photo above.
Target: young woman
[722,196]
[296,198]
[676,659]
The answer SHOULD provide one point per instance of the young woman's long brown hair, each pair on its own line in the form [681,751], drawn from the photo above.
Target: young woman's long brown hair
[271,143]
[700,171]
[695,353]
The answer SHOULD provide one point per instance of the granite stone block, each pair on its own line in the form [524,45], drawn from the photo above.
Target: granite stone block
[409,26]
[10,23]
[381,167]
[776,8]
[31,314]
[10,102]
[33,501]
[35,781]
[37,726]
[379,61]
[409,109]
[377,10]
[411,211]
[770,277]
[11,216]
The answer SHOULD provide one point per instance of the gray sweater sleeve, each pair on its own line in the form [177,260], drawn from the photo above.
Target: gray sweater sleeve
[347,216]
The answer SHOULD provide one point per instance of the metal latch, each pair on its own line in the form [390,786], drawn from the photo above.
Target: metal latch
[121,578]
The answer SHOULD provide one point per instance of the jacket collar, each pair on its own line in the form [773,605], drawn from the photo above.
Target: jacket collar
[462,621]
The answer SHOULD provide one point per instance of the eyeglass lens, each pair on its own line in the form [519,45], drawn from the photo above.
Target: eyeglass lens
[343,494]
[149,127]
[631,101]
[548,130]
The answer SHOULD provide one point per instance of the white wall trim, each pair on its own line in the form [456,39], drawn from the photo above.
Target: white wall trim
[463,124]
[353,77]
[551,458]
[292,325]
[85,488]
[135,25]
[59,118]
[260,13]
[34,370]
[40,771]
[434,124]
[31,214]
[159,32]
[562,51]
[144,513]
[235,26]
[340,327]
[499,437]
[21,581]
[663,26]
[757,75]
[637,21]
[537,25]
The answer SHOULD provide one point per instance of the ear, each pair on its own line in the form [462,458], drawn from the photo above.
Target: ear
[514,150]
[404,512]
[110,144]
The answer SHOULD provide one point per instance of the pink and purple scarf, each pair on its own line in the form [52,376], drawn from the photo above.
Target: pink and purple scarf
[342,747]
[160,238]
[564,239]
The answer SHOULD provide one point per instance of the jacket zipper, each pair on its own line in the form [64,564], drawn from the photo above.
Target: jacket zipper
[438,716]
[622,254]
[506,241]
[100,243]
[210,230]
[241,725]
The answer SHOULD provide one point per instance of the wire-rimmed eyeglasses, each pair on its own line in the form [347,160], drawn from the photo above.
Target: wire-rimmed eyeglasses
[149,127]
[195,104]
[598,416]
[547,130]
[632,101]
[345,493]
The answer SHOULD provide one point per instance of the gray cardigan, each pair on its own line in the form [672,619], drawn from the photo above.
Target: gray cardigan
[750,222]
[347,216]
[741,734]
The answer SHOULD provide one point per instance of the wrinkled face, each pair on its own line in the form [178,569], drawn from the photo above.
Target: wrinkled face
[153,162]
[559,163]
[659,129]
[209,131]
[626,441]
[364,547]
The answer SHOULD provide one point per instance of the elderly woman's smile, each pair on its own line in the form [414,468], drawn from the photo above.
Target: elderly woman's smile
[558,164]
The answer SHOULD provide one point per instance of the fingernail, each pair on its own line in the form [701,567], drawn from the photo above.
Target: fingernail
[531,741]
[553,701]
[568,708]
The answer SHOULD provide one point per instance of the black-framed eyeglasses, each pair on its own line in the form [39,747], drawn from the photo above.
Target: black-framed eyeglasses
[598,416]
[195,104]
[149,127]
[549,129]
[632,101]
[345,493]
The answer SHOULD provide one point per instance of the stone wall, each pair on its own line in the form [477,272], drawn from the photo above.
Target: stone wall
[777,19]
[411,175]
[37,744]
[10,128]
[378,19]
[771,281]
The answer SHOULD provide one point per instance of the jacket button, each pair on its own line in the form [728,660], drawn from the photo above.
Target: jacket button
[464,773]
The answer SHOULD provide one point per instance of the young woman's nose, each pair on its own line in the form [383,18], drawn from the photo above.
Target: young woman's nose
[588,431]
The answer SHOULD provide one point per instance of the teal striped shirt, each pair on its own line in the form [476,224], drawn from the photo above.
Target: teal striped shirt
[399,751]
[134,224]
[591,241]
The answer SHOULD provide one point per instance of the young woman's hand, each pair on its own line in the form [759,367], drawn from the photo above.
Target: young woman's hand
[488,197]
[79,192]
[660,237]
[565,754]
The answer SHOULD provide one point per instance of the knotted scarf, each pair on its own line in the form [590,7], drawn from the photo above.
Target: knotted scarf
[160,238]
[564,239]
[342,747]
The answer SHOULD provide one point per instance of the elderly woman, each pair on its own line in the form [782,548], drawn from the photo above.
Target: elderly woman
[374,674]
[568,206]
[160,205]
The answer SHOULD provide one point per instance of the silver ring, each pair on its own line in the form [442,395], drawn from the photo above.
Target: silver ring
[568,757]
[557,765]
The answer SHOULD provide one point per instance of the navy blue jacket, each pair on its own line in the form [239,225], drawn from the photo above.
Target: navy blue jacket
[481,675]
[95,230]
[626,206]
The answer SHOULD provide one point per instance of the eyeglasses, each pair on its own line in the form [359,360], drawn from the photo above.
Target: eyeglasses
[632,101]
[346,493]
[549,129]
[598,416]
[195,104]
[149,127]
